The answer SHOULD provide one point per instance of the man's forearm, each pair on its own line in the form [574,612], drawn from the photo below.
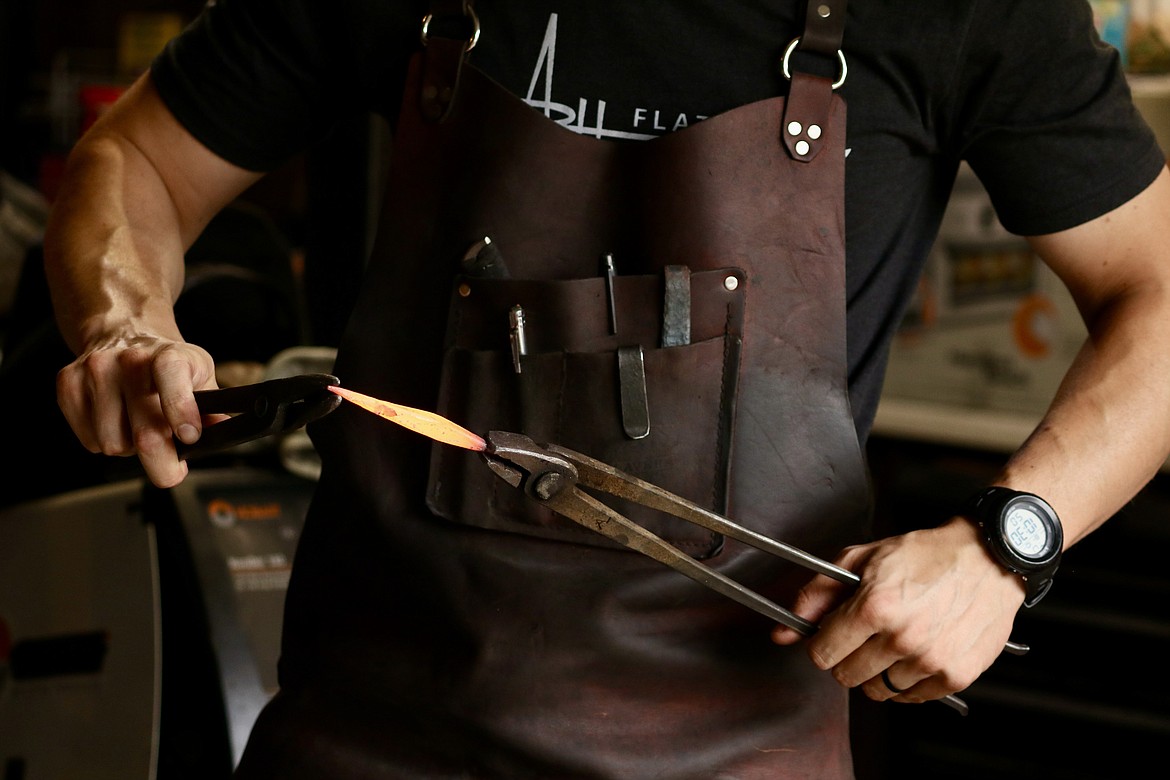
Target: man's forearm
[113,255]
[1108,430]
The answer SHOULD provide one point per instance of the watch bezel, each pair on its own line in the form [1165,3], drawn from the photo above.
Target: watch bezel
[1040,508]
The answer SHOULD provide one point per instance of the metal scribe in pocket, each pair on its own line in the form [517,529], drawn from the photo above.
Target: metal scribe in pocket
[632,385]
[517,336]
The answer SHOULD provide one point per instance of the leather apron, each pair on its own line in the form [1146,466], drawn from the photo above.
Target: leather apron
[438,625]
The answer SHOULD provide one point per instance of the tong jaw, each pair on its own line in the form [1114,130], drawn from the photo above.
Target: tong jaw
[518,460]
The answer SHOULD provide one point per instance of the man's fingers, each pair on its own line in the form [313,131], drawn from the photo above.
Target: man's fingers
[153,440]
[821,601]
[109,411]
[177,373]
[89,396]
[815,600]
[77,407]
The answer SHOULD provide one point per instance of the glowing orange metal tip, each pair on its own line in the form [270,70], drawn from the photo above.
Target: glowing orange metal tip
[427,423]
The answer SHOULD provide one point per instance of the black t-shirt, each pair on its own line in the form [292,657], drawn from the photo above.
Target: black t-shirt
[1021,89]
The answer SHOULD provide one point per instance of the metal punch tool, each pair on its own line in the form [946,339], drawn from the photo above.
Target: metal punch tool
[553,476]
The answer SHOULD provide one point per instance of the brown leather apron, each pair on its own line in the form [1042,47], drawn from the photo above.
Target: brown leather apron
[438,624]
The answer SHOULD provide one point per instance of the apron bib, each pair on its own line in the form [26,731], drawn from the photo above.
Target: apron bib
[440,625]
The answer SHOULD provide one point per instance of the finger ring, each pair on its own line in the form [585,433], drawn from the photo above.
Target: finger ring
[890,685]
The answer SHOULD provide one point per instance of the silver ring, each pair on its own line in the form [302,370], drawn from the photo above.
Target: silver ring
[890,685]
[426,23]
[788,55]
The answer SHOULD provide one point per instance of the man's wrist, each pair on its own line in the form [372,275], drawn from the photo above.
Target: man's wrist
[966,533]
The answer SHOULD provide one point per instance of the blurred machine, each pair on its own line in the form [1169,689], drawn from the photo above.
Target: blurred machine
[79,637]
[139,628]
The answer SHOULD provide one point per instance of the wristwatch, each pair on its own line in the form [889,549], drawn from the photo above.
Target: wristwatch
[1022,533]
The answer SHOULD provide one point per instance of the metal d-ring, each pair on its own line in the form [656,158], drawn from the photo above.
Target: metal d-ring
[426,23]
[788,55]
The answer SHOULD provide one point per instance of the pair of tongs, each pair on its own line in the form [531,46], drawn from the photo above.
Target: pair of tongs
[276,406]
[553,476]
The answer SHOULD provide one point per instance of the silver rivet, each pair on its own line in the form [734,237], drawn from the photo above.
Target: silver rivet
[824,11]
[794,128]
[548,485]
[814,132]
[731,283]
[802,148]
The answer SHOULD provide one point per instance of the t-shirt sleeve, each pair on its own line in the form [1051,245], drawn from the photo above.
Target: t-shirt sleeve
[258,80]
[1049,125]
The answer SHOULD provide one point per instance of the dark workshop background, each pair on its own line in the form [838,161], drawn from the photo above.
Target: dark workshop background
[980,352]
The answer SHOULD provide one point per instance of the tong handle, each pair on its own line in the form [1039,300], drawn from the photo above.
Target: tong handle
[590,512]
[260,409]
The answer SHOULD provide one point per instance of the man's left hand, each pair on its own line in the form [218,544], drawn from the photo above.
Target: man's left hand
[933,611]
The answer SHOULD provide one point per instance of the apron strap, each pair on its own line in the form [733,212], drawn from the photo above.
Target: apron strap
[806,111]
[449,31]
[824,26]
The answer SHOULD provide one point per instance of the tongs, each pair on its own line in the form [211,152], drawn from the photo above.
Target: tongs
[262,409]
[554,475]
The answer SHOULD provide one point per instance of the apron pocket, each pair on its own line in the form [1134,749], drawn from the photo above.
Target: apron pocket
[587,395]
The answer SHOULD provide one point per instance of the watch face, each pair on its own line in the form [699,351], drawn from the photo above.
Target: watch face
[1022,533]
[1027,532]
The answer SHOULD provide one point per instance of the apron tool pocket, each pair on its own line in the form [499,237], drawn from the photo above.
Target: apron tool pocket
[592,390]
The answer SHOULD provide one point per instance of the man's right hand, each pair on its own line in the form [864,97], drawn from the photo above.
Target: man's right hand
[134,396]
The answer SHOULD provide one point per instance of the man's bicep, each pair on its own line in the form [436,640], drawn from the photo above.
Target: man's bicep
[1123,251]
[198,182]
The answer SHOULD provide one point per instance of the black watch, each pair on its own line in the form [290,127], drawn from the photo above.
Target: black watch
[1022,533]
